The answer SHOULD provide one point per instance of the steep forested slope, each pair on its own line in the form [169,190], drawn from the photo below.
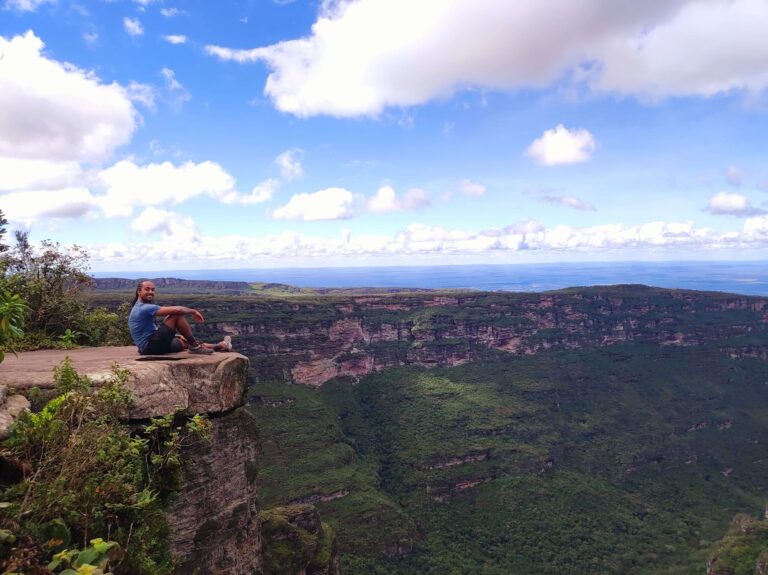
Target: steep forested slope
[631,459]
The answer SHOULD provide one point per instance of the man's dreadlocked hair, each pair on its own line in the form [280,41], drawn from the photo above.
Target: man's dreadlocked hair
[136,293]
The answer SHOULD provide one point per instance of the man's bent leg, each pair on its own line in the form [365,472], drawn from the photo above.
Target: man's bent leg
[162,341]
[180,324]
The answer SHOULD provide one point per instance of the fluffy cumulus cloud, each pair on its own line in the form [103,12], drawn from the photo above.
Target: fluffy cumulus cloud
[170,12]
[568,202]
[327,204]
[25,207]
[170,224]
[424,240]
[261,192]
[53,111]
[128,185]
[290,164]
[365,55]
[175,38]
[133,26]
[54,117]
[561,146]
[386,200]
[731,204]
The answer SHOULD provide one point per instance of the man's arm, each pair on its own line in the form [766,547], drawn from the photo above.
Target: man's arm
[180,310]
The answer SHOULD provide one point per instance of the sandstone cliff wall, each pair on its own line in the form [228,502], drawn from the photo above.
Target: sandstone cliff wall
[311,342]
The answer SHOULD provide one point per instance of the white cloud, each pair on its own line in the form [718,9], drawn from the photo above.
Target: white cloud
[734,176]
[569,202]
[327,204]
[173,226]
[133,26]
[471,188]
[128,184]
[175,38]
[143,94]
[55,111]
[27,207]
[697,48]
[26,5]
[366,55]
[260,193]
[561,146]
[731,204]
[420,239]
[177,94]
[385,200]
[90,37]
[25,175]
[171,12]
[290,166]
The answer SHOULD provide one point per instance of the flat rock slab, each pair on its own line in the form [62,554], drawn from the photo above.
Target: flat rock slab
[160,385]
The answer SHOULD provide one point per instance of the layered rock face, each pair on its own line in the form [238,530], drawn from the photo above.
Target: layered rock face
[310,342]
[297,542]
[214,523]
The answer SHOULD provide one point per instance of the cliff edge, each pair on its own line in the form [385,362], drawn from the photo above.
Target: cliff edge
[214,524]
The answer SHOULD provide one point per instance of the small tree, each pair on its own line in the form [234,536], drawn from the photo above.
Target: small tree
[52,281]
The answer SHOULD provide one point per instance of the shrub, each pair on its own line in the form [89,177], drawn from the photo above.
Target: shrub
[87,476]
[12,310]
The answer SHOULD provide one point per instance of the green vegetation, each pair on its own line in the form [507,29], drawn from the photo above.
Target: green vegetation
[53,283]
[630,459]
[744,549]
[76,473]
[295,541]
[12,311]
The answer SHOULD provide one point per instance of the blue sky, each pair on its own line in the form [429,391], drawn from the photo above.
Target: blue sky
[170,135]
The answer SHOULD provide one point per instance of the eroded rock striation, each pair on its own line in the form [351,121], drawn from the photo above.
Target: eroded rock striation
[310,341]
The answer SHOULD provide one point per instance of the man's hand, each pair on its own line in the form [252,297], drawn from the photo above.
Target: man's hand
[198,316]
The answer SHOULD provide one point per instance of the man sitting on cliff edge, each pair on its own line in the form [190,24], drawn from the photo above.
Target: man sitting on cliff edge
[157,340]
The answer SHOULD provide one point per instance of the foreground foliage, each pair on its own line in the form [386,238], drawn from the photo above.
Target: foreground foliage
[52,282]
[89,490]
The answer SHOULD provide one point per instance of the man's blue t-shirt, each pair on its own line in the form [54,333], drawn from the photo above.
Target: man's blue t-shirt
[141,322]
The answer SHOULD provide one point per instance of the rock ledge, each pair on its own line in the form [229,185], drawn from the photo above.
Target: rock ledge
[160,385]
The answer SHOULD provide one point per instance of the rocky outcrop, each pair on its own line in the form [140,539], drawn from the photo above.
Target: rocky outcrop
[310,341]
[177,382]
[214,523]
[743,551]
[215,526]
[296,542]
[11,406]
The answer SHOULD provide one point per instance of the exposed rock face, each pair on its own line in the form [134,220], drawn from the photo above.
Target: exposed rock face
[310,342]
[11,406]
[214,523]
[296,542]
[160,384]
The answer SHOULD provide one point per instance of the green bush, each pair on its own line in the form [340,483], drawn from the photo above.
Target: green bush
[12,310]
[87,475]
